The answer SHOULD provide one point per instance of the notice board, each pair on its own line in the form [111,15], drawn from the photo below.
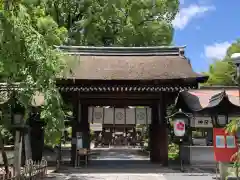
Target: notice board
[225,145]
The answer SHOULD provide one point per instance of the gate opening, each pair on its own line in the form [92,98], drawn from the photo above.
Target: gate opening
[119,133]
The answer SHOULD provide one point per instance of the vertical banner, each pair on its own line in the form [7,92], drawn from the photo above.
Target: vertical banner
[225,145]
[90,114]
[119,116]
[149,115]
[130,115]
[108,116]
[98,115]
[141,116]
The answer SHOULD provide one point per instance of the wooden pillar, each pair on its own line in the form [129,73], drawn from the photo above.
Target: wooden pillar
[74,125]
[80,126]
[84,126]
[159,133]
[36,134]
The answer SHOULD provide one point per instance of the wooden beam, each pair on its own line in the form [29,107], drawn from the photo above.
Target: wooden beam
[138,96]
[127,88]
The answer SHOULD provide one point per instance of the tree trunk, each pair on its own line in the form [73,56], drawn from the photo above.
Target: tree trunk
[4,155]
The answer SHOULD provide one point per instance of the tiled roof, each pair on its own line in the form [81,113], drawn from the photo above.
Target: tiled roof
[205,95]
[199,99]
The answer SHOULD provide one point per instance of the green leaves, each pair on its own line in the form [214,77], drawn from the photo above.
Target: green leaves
[50,30]
[223,72]
[27,55]
[116,23]
[30,28]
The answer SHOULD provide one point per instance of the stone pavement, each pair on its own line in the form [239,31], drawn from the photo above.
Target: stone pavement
[128,176]
[119,153]
[184,176]
[126,164]
[109,176]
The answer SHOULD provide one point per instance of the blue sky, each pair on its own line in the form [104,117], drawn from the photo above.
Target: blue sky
[207,28]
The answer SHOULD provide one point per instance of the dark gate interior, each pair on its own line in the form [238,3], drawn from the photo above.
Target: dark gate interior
[158,131]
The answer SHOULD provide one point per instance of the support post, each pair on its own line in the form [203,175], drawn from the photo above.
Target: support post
[80,126]
[159,134]
[74,125]
[17,153]
[26,147]
[223,170]
[28,151]
[84,126]
[73,143]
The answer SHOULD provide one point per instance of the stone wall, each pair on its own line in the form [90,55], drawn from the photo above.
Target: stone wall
[198,154]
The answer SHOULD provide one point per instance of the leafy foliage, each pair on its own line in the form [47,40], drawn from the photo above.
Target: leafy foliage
[223,72]
[116,23]
[27,55]
[30,28]
[173,151]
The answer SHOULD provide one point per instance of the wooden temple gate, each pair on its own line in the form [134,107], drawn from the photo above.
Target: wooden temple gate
[121,77]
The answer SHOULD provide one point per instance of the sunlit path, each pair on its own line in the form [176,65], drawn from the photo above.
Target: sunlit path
[119,153]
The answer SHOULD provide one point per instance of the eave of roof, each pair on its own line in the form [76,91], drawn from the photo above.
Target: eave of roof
[220,103]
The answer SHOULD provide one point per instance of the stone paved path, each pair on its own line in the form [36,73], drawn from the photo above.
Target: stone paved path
[188,177]
[110,176]
[129,176]
[119,153]
[118,163]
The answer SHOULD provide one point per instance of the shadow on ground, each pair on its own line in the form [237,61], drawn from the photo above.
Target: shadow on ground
[129,166]
[120,160]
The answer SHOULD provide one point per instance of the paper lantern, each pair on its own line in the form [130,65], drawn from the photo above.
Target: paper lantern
[179,127]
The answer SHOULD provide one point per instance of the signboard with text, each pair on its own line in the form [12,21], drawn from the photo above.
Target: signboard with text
[206,121]
[225,145]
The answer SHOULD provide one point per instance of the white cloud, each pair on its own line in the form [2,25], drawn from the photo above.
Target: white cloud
[187,14]
[217,50]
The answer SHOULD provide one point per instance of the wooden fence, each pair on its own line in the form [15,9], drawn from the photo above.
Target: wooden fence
[31,171]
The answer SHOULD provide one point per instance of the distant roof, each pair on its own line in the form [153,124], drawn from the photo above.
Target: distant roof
[199,99]
[128,63]
[219,87]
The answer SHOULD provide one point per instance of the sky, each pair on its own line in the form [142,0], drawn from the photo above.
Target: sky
[207,28]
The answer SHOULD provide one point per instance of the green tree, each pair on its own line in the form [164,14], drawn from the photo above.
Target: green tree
[27,55]
[116,23]
[234,48]
[223,72]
